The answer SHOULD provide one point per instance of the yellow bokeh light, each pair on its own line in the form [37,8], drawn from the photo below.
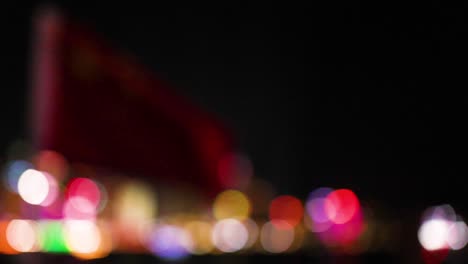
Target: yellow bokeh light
[201,236]
[231,204]
[135,203]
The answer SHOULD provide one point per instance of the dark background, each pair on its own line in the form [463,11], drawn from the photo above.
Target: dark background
[362,96]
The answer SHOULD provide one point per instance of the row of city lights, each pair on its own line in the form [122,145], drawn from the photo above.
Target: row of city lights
[75,219]
[66,216]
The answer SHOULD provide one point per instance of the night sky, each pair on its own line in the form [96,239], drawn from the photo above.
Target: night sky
[356,96]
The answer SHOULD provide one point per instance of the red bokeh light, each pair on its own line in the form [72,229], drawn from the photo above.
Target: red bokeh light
[286,211]
[84,195]
[341,206]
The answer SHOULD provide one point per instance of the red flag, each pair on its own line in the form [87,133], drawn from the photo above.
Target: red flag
[97,106]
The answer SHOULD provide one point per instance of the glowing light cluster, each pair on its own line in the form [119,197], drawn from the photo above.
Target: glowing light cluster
[335,215]
[83,239]
[442,229]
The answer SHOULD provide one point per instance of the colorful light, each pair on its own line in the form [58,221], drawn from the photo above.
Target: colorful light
[22,235]
[170,242]
[231,204]
[78,208]
[433,234]
[5,247]
[457,235]
[287,210]
[88,239]
[252,230]
[275,238]
[341,206]
[134,203]
[82,236]
[84,196]
[315,205]
[51,237]
[229,235]
[317,219]
[442,229]
[53,192]
[200,232]
[14,169]
[33,186]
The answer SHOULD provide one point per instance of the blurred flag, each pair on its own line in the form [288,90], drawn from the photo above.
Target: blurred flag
[97,106]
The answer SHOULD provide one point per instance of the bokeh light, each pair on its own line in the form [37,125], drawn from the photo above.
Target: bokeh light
[134,202]
[200,231]
[316,218]
[78,208]
[53,192]
[13,171]
[5,247]
[51,237]
[442,229]
[252,230]
[444,211]
[275,239]
[229,235]
[231,204]
[82,236]
[22,235]
[344,235]
[286,211]
[170,242]
[341,206]
[83,197]
[33,186]
[433,234]
[457,236]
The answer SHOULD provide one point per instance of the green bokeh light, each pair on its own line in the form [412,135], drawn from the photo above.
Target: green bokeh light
[52,238]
